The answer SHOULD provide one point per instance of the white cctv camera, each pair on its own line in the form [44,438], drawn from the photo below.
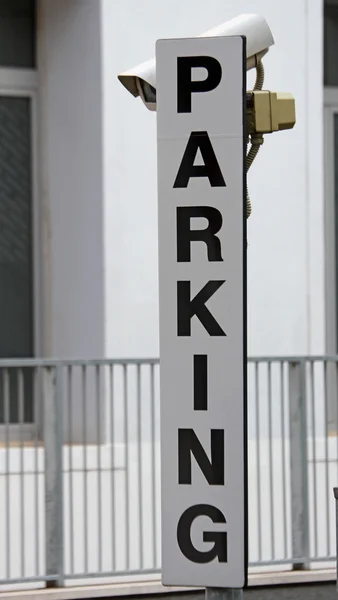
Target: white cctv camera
[141,80]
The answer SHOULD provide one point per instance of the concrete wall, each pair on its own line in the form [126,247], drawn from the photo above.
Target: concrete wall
[72,186]
[285,255]
[71,192]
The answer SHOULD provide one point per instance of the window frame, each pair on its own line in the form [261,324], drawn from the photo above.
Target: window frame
[24,83]
[331,306]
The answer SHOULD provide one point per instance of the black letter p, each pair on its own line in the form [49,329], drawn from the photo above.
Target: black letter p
[185,85]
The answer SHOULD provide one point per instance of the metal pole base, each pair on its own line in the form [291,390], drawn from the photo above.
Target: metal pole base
[223,594]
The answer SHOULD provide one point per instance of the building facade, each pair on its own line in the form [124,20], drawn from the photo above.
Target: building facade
[78,198]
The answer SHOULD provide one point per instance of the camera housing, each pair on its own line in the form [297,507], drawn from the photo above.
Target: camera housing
[140,81]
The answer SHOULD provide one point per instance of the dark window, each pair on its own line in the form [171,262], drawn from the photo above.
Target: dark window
[331,43]
[16,264]
[17,33]
[336,200]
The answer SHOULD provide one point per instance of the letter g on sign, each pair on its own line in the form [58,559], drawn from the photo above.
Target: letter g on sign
[219,538]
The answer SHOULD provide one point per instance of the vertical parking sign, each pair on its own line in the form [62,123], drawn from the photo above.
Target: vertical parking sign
[201,87]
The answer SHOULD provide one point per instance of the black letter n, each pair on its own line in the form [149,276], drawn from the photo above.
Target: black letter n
[188,444]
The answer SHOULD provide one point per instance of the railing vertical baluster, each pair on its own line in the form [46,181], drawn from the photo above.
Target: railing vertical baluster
[298,465]
[6,389]
[20,387]
[326,429]
[70,465]
[126,458]
[314,457]
[139,464]
[99,466]
[272,514]
[153,463]
[37,406]
[112,460]
[285,535]
[85,473]
[258,463]
[53,437]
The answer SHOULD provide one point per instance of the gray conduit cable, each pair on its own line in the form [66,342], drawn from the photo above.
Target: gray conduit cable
[255,139]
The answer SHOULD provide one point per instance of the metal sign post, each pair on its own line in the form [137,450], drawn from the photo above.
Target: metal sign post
[223,594]
[335,493]
[201,88]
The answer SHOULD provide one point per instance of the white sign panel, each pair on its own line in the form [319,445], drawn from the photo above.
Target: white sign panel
[202,273]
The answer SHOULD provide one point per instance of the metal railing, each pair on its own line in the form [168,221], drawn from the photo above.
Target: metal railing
[80,472]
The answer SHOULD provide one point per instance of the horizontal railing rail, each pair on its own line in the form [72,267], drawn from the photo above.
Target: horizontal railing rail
[80,467]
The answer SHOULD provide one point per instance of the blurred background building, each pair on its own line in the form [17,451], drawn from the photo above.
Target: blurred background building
[78,279]
[78,200]
[78,178]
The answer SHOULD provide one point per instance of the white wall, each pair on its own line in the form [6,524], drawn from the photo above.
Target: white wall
[285,255]
[72,187]
[314,115]
[72,192]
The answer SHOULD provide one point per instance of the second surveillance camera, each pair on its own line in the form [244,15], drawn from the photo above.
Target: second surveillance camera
[141,80]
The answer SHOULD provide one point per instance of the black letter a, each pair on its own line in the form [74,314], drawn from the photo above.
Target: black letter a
[199,140]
